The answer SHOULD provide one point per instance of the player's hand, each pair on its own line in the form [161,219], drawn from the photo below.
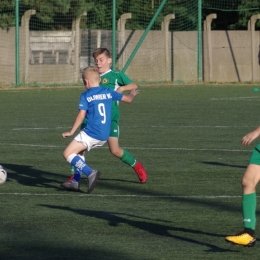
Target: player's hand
[134,91]
[250,137]
[66,134]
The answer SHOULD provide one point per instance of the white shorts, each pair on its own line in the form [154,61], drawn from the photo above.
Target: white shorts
[88,141]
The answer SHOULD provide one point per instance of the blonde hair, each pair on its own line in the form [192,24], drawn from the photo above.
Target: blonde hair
[91,74]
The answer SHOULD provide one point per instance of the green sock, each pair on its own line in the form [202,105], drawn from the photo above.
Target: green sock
[128,158]
[249,210]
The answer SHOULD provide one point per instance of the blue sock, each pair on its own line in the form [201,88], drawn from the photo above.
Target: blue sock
[77,175]
[81,165]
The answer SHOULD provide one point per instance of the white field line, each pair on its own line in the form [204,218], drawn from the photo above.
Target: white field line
[154,126]
[40,128]
[126,196]
[32,145]
[216,126]
[236,98]
[134,148]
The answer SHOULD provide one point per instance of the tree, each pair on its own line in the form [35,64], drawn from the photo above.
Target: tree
[7,8]
[247,8]
[231,15]
[58,14]
[47,12]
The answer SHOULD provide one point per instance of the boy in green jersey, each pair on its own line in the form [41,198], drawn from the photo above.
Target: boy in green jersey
[118,81]
[249,181]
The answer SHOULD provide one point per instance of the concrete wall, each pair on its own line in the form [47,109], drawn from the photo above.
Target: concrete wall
[7,56]
[232,58]
[163,56]
[146,65]
[29,74]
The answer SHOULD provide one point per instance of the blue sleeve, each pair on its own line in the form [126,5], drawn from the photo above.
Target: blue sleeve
[83,104]
[117,96]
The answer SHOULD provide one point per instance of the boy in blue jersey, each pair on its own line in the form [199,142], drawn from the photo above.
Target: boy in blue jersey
[95,106]
[118,81]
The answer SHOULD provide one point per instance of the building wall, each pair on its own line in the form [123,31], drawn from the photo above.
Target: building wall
[227,57]
[7,56]
[231,56]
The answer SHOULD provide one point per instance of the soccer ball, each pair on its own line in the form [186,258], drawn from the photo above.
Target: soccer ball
[3,175]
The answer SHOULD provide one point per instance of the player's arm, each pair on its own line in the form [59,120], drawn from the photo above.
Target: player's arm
[129,98]
[250,137]
[127,87]
[78,121]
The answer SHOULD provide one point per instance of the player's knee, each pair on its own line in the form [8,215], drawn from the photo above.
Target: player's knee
[247,182]
[65,155]
[116,152]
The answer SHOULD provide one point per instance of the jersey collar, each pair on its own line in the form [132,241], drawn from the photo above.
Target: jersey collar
[105,73]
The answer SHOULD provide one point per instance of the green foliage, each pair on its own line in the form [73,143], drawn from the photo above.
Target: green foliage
[7,13]
[246,10]
[142,14]
[186,16]
[58,14]
[51,13]
[6,21]
[100,15]
[231,15]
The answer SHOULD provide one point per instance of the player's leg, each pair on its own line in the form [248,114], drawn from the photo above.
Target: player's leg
[82,167]
[73,148]
[249,181]
[73,170]
[71,155]
[124,155]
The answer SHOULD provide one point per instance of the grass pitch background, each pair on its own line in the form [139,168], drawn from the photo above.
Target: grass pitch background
[188,138]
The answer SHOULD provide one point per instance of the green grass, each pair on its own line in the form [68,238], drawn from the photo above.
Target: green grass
[187,137]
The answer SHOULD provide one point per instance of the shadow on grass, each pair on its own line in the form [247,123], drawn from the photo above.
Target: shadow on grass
[29,176]
[225,165]
[115,218]
[38,250]
[118,180]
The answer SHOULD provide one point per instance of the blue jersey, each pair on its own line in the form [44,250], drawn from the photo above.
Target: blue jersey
[97,102]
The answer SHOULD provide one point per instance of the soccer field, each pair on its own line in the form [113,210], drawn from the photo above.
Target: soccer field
[187,137]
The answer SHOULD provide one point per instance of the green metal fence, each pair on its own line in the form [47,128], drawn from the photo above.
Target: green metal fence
[50,42]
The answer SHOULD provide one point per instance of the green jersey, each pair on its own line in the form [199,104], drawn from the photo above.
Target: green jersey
[113,80]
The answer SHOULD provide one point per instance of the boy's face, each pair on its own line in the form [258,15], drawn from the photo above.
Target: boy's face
[103,63]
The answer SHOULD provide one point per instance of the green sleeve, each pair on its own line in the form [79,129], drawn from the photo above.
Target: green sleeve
[123,79]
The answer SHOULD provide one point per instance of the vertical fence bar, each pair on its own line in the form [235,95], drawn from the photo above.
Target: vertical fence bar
[144,35]
[199,69]
[114,36]
[17,51]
